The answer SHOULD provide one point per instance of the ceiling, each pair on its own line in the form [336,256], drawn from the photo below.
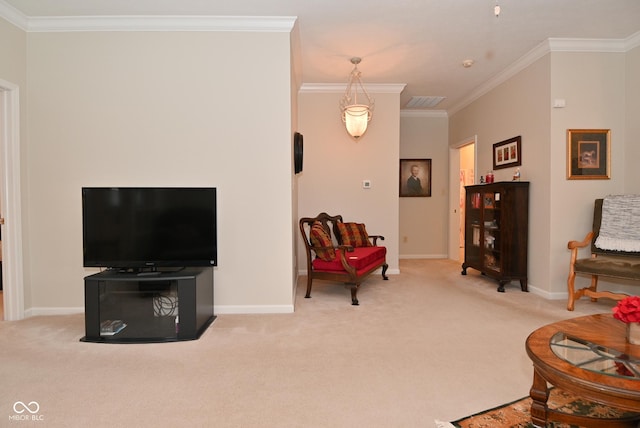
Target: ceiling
[421,43]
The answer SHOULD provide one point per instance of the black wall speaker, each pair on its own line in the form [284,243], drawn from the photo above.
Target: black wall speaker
[297,152]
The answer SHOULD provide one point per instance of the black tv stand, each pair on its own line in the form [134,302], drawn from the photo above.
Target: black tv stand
[149,306]
[146,271]
[149,273]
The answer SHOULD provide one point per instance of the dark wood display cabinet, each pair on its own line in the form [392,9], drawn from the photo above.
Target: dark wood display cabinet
[149,307]
[496,228]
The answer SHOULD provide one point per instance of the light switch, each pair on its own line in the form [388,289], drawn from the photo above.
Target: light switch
[366,184]
[559,103]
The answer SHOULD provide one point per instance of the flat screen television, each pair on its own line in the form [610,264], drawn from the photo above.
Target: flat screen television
[142,228]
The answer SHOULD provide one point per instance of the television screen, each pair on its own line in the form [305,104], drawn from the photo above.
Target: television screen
[126,227]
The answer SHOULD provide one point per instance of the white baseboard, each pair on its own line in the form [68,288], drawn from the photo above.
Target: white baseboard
[252,309]
[396,271]
[34,312]
[564,295]
[559,295]
[423,256]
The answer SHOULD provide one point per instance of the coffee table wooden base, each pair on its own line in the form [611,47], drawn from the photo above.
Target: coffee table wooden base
[541,414]
[617,392]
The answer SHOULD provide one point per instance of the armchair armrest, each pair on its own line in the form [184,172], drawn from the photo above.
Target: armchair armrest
[374,239]
[581,244]
[343,258]
[574,246]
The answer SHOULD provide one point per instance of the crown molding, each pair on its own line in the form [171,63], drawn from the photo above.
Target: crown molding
[633,41]
[424,113]
[339,88]
[548,46]
[51,24]
[13,15]
[162,23]
[586,45]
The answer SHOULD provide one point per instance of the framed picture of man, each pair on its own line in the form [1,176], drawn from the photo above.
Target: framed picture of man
[415,177]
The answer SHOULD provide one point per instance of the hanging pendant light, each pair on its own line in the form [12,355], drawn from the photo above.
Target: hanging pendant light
[356,115]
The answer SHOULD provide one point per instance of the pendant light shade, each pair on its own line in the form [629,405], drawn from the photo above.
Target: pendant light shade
[356,118]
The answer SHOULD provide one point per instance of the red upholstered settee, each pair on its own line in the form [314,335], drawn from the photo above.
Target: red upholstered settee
[339,251]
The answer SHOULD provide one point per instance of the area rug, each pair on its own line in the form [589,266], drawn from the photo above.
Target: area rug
[516,414]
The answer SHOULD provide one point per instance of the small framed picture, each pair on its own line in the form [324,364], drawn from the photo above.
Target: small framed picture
[415,177]
[489,202]
[507,153]
[588,154]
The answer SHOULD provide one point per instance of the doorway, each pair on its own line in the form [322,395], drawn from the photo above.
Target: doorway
[10,203]
[467,178]
[462,170]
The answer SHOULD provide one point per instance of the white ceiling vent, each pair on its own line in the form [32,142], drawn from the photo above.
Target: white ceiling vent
[423,102]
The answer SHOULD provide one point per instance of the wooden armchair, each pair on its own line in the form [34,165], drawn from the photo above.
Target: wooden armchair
[599,262]
[338,251]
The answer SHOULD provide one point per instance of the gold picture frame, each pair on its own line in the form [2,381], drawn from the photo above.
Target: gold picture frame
[588,154]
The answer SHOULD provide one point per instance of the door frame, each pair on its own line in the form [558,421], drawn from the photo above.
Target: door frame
[11,202]
[454,191]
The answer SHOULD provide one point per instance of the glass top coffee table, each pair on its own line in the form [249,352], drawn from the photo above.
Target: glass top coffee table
[589,358]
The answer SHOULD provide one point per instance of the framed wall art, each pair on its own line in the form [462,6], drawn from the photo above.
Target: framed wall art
[507,153]
[588,154]
[415,177]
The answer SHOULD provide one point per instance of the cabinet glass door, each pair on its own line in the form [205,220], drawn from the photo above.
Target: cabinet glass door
[132,309]
[473,240]
[491,236]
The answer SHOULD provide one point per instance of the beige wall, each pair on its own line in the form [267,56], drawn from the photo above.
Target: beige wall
[13,50]
[13,69]
[593,86]
[335,166]
[296,82]
[167,109]
[519,106]
[423,221]
[632,98]
[163,109]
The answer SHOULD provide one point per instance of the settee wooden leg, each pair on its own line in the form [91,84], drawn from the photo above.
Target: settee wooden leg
[308,295]
[384,271]
[354,295]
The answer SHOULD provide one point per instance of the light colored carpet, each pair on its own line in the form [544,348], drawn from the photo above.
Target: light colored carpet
[427,344]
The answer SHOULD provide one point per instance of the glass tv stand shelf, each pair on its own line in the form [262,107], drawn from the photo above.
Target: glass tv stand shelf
[135,308]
